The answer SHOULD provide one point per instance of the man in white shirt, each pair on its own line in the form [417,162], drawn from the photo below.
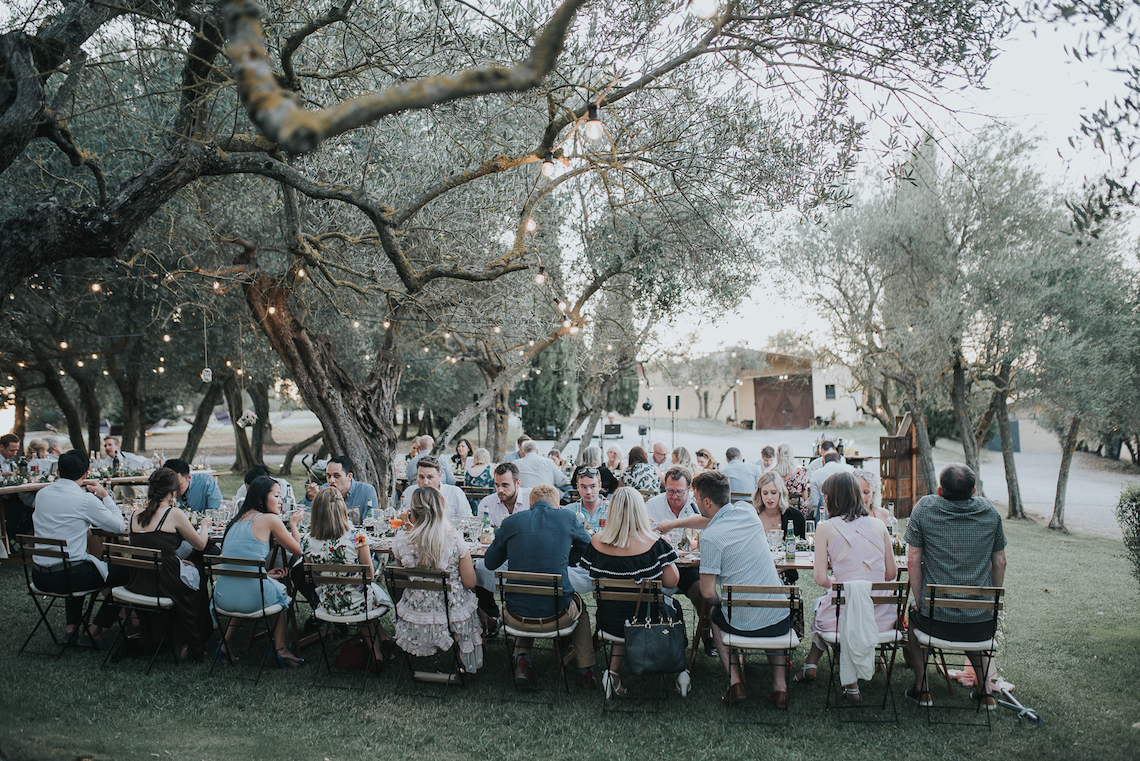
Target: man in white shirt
[429,473]
[673,509]
[767,459]
[534,469]
[9,451]
[510,495]
[112,451]
[517,455]
[831,465]
[66,510]
[825,446]
[660,457]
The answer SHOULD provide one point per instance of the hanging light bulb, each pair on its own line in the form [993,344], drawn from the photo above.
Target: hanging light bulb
[63,344]
[300,273]
[566,323]
[207,375]
[272,310]
[704,9]
[217,285]
[166,338]
[387,324]
[95,287]
[548,165]
[540,278]
[573,329]
[498,329]
[561,306]
[356,323]
[531,225]
[593,123]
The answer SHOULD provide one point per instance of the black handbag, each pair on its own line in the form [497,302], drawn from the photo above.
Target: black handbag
[654,647]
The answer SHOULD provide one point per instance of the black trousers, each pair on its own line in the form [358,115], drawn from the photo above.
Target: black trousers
[76,578]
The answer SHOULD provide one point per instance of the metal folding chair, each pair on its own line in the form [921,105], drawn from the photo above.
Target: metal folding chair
[889,643]
[401,580]
[739,646]
[56,549]
[261,619]
[148,609]
[542,585]
[948,597]
[620,590]
[343,575]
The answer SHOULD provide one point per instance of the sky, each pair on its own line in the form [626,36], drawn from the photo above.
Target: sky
[1034,86]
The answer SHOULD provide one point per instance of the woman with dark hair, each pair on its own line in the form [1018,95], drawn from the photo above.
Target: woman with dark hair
[162,525]
[642,476]
[463,450]
[247,537]
[857,547]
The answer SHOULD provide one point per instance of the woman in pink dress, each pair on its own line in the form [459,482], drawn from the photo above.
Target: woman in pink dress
[857,547]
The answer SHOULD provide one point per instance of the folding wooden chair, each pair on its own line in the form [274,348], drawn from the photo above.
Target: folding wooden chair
[620,590]
[889,642]
[56,549]
[147,609]
[261,619]
[738,646]
[400,580]
[343,575]
[541,585]
[948,597]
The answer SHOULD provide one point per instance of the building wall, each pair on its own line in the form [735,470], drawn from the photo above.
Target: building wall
[844,405]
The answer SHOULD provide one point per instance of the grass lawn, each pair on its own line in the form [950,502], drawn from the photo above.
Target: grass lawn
[1072,648]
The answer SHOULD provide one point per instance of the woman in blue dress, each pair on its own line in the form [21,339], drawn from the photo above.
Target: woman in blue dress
[247,536]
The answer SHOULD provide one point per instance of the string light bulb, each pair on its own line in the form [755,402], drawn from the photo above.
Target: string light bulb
[356,323]
[562,306]
[566,323]
[166,338]
[498,329]
[217,285]
[447,335]
[548,165]
[573,329]
[387,324]
[704,9]
[272,310]
[63,344]
[593,123]
[531,225]
[301,272]
[79,363]
[95,287]
[540,278]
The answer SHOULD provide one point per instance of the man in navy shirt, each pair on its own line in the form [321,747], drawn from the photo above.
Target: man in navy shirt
[544,539]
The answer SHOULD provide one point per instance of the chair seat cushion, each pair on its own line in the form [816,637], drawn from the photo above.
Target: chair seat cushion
[926,640]
[888,637]
[127,597]
[612,637]
[783,642]
[37,591]
[549,634]
[357,618]
[272,610]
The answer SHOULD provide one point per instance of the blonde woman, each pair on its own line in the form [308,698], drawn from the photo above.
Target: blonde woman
[682,457]
[628,548]
[615,459]
[479,474]
[872,498]
[591,457]
[422,621]
[795,477]
[706,461]
[771,503]
[333,539]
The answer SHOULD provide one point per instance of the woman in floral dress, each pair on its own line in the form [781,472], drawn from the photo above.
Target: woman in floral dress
[421,619]
[795,478]
[333,539]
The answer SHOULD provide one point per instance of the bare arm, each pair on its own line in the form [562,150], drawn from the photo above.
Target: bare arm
[364,557]
[890,567]
[914,571]
[289,538]
[823,535]
[467,571]
[997,568]
[196,538]
[693,521]
[670,576]
[708,589]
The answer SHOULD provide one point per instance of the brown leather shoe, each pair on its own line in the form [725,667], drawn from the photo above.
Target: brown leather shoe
[587,681]
[524,675]
[734,694]
[779,698]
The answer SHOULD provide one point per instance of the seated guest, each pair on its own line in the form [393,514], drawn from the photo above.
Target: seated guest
[734,551]
[257,471]
[706,461]
[767,459]
[534,469]
[356,494]
[247,536]
[825,446]
[771,503]
[831,466]
[480,473]
[112,454]
[67,509]
[741,475]
[429,473]
[37,449]
[9,453]
[556,457]
[510,497]
[426,447]
[856,547]
[682,457]
[463,452]
[614,459]
[660,458]
[795,478]
[591,506]
[163,526]
[516,454]
[872,498]
[55,449]
[953,538]
[333,539]
[591,457]
[642,476]
[544,539]
[422,624]
[198,492]
[628,549]
[17,514]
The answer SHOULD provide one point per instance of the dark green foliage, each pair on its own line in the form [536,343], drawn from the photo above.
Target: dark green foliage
[623,399]
[1128,516]
[550,400]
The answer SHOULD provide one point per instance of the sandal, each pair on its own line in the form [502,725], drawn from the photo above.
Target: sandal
[803,675]
[611,682]
[851,692]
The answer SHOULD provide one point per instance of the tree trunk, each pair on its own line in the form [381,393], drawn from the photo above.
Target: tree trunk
[261,430]
[925,455]
[202,417]
[89,402]
[296,449]
[499,421]
[564,439]
[962,416]
[981,432]
[1016,510]
[140,447]
[20,410]
[404,425]
[1057,522]
[128,385]
[70,414]
[428,423]
[235,403]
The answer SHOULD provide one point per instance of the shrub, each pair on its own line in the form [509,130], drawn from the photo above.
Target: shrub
[1128,516]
